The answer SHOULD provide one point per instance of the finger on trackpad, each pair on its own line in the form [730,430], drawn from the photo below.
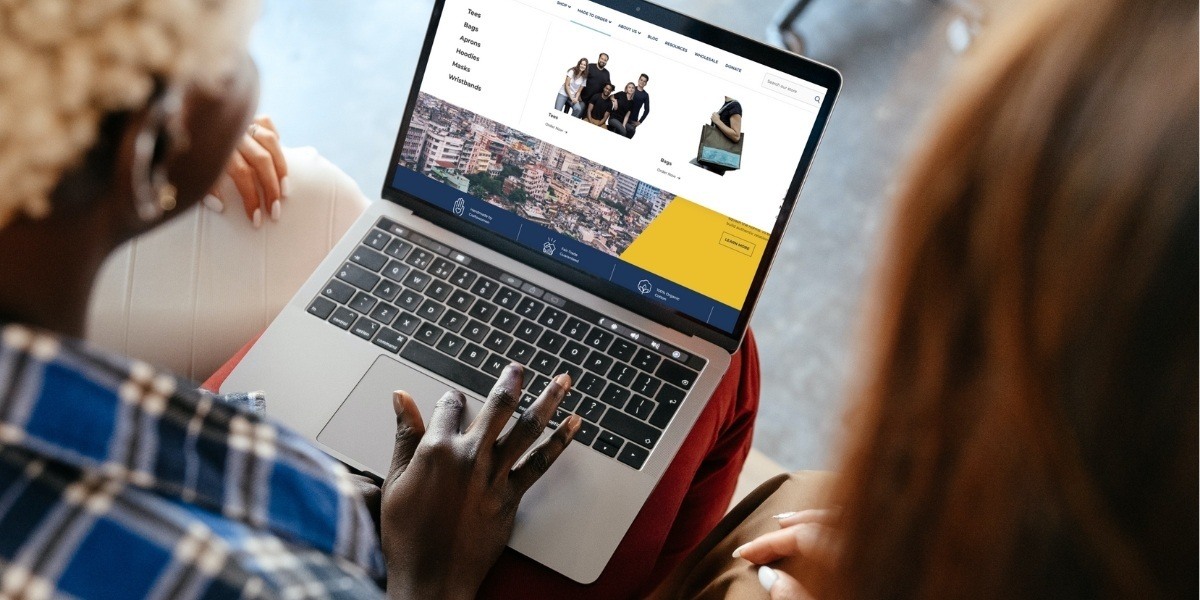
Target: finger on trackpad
[364,427]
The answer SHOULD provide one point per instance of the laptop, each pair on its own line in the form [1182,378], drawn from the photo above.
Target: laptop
[620,234]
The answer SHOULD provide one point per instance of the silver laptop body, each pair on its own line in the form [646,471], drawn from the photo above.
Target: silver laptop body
[328,365]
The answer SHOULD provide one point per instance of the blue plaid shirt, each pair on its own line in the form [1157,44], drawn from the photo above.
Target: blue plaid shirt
[121,481]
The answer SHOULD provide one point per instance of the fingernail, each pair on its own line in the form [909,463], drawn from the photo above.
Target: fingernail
[574,422]
[767,577]
[257,219]
[398,401]
[790,513]
[737,553]
[276,209]
[563,380]
[214,203]
[283,187]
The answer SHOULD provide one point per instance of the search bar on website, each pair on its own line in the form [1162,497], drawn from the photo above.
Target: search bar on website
[793,89]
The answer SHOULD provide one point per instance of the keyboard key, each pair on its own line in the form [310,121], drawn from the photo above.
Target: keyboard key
[442,268]
[640,407]
[484,288]
[590,384]
[343,317]
[646,360]
[494,364]
[505,321]
[575,329]
[598,362]
[476,331]
[530,308]
[528,331]
[430,310]
[507,298]
[453,321]
[364,328]
[417,280]
[451,344]
[633,456]
[420,258]
[385,313]
[630,428]
[338,291]
[460,300]
[551,342]
[440,364]
[463,278]
[368,258]
[586,434]
[573,371]
[390,340]
[552,318]
[321,307]
[429,333]
[615,395]
[623,350]
[605,446]
[598,339]
[377,239]
[439,290]
[560,415]
[473,355]
[575,352]
[483,310]
[362,302]
[676,374]
[622,374]
[571,400]
[537,385]
[395,270]
[358,276]
[498,342]
[407,322]
[409,299]
[524,404]
[544,363]
[668,402]
[387,290]
[645,384]
[592,410]
[521,353]
[398,249]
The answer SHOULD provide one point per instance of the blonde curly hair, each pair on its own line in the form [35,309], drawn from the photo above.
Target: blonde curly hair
[65,64]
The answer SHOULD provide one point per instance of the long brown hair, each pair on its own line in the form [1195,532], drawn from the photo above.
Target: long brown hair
[1029,424]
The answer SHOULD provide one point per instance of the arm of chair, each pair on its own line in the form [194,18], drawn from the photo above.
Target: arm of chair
[188,295]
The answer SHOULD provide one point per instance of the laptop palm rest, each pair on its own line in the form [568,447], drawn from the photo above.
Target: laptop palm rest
[364,428]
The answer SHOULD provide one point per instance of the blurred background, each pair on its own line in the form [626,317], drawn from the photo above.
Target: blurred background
[336,76]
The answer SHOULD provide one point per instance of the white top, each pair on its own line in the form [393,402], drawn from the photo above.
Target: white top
[575,82]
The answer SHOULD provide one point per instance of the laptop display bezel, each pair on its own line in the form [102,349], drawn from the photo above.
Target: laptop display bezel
[791,64]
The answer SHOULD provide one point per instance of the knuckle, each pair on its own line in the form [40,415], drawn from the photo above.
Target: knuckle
[529,425]
[538,461]
[452,400]
[505,397]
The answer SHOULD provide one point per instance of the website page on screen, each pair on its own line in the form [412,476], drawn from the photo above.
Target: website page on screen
[614,146]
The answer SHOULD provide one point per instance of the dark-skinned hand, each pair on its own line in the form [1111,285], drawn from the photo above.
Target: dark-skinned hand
[450,498]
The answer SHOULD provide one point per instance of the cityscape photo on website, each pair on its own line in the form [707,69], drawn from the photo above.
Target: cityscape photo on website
[610,144]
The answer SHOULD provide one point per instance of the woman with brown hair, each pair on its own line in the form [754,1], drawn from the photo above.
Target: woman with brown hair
[1028,424]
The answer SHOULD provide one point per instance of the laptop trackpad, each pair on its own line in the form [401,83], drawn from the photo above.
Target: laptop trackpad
[364,427]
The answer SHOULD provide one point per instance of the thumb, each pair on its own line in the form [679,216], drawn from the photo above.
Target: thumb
[781,586]
[409,431]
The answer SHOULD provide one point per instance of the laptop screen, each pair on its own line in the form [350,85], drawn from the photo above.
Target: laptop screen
[611,145]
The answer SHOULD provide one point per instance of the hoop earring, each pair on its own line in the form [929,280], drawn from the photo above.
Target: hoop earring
[153,194]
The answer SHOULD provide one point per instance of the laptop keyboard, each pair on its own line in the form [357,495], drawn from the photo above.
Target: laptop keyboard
[465,320]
